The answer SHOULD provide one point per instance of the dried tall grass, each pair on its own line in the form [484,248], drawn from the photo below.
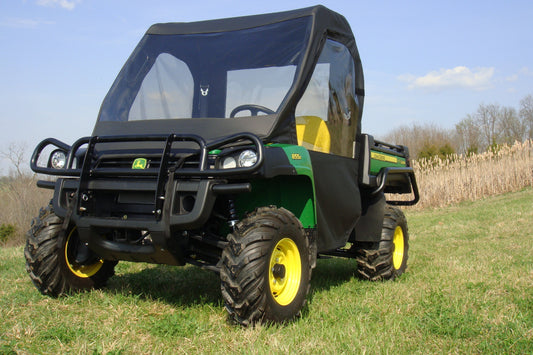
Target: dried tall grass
[460,178]
[20,201]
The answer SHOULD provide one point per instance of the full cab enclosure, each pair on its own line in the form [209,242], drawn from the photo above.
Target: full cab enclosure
[298,64]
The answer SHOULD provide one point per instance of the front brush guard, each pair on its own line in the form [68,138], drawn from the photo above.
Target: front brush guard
[204,181]
[89,171]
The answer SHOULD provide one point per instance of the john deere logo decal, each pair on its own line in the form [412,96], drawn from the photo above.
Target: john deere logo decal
[383,157]
[139,163]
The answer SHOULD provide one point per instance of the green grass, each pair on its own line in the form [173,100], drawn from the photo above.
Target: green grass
[468,289]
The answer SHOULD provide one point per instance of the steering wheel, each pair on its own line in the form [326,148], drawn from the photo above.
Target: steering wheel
[254,109]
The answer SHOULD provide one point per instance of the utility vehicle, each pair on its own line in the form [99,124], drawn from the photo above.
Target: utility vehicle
[234,145]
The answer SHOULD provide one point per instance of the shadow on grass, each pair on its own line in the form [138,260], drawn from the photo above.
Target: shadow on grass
[180,286]
[189,285]
[330,273]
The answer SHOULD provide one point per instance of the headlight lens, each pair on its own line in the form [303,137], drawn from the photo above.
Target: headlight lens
[247,158]
[229,163]
[58,159]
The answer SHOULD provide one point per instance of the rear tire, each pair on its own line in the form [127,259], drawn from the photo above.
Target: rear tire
[387,259]
[51,258]
[266,270]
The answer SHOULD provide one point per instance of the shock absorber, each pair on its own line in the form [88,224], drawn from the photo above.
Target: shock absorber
[233,218]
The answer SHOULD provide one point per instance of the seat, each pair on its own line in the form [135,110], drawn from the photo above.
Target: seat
[313,133]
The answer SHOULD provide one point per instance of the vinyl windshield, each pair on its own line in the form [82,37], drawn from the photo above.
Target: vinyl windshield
[208,75]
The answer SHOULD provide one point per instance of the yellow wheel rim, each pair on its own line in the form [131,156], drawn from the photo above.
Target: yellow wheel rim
[83,271]
[285,271]
[399,247]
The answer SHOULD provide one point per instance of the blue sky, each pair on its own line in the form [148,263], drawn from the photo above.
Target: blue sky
[424,61]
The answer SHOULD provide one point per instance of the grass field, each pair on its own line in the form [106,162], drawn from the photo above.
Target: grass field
[468,289]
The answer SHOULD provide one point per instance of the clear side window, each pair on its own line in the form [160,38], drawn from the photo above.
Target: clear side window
[326,113]
[166,92]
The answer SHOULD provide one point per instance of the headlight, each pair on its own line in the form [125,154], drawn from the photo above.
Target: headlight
[247,158]
[58,159]
[229,163]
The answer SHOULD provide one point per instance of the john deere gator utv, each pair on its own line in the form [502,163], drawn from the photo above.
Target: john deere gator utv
[234,145]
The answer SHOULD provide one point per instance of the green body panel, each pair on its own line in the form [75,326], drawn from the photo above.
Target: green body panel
[299,158]
[293,192]
[290,192]
[379,160]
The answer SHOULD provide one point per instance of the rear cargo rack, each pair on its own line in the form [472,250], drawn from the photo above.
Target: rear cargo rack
[389,148]
[399,177]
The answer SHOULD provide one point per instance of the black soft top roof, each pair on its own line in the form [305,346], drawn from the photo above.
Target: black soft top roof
[324,19]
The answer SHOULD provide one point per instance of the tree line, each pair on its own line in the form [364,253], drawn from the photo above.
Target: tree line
[491,125]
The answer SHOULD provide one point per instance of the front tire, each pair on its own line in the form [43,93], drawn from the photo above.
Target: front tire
[266,269]
[52,258]
[387,259]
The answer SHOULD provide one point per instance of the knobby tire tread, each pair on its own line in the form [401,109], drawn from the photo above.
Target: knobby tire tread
[374,260]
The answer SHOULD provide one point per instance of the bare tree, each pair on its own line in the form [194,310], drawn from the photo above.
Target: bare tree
[510,127]
[469,134]
[487,119]
[526,115]
[15,154]
[419,137]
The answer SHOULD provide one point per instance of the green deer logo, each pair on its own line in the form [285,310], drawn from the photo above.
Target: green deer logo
[139,163]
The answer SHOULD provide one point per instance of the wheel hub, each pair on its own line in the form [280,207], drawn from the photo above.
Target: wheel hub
[278,271]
